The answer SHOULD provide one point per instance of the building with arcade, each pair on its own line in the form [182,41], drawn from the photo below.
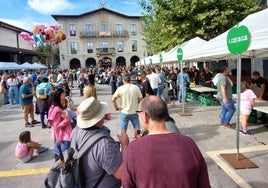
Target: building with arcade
[103,37]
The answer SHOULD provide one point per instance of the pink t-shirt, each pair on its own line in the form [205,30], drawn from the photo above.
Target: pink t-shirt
[246,97]
[21,150]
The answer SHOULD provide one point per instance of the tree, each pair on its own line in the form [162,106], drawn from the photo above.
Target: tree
[50,54]
[172,22]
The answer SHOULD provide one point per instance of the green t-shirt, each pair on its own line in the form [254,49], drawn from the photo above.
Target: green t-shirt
[223,80]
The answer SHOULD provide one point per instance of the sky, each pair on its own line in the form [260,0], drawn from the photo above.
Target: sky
[26,14]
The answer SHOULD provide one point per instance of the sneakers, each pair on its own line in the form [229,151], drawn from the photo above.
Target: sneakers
[35,122]
[228,126]
[44,126]
[248,133]
[28,125]
[42,149]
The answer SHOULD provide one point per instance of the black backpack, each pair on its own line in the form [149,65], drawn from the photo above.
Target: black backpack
[67,173]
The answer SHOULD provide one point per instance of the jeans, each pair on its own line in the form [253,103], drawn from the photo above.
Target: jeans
[13,95]
[6,100]
[184,95]
[42,119]
[155,91]
[64,145]
[227,111]
[125,118]
[160,93]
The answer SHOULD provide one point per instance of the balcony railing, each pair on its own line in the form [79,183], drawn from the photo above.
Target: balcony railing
[90,34]
[105,51]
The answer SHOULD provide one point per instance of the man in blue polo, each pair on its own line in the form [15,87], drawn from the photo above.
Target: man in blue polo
[26,95]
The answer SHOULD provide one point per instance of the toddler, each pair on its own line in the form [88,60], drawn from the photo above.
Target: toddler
[25,147]
[246,103]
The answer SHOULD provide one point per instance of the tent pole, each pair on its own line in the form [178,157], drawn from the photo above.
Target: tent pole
[238,82]
[182,90]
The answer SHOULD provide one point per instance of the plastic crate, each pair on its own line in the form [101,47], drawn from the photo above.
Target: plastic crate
[253,117]
[206,101]
[192,96]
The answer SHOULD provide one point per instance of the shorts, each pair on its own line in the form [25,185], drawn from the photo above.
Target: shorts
[125,118]
[245,111]
[64,145]
[25,159]
[27,109]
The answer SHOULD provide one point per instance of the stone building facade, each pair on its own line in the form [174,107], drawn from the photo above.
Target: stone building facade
[103,37]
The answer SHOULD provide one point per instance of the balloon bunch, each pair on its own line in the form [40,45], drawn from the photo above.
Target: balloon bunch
[42,35]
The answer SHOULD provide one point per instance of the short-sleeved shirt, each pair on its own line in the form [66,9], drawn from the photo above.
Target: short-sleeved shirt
[21,150]
[25,90]
[47,86]
[261,81]
[223,80]
[129,95]
[154,80]
[208,76]
[245,99]
[164,160]
[146,88]
[104,155]
[186,79]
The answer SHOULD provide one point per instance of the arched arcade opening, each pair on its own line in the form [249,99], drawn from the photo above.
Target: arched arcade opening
[75,64]
[120,61]
[91,62]
[105,62]
[133,60]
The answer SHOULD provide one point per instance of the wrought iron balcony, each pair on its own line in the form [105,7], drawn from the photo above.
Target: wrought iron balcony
[105,51]
[95,34]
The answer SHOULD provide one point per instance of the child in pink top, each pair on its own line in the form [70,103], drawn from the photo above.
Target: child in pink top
[60,122]
[25,147]
[246,103]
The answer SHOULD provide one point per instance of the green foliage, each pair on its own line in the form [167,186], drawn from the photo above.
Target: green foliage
[172,22]
[49,54]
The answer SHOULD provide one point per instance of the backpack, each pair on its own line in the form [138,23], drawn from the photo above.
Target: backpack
[67,173]
[42,92]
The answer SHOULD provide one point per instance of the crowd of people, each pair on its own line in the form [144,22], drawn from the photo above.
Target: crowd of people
[138,94]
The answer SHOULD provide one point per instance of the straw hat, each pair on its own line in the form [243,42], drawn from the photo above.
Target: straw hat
[90,112]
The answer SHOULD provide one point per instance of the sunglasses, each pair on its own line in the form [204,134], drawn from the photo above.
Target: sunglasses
[139,111]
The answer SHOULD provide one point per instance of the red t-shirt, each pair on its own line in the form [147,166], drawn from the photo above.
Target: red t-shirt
[164,160]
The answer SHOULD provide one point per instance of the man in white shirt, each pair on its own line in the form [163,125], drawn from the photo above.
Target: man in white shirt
[154,80]
[59,77]
[130,96]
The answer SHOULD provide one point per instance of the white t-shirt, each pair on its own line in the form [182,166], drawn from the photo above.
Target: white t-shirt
[129,95]
[12,82]
[154,80]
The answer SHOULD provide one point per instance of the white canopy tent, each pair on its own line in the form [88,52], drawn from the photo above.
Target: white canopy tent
[190,48]
[38,66]
[9,66]
[27,65]
[198,49]
[217,49]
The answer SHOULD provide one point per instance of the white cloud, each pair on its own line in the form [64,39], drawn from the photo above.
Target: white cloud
[49,6]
